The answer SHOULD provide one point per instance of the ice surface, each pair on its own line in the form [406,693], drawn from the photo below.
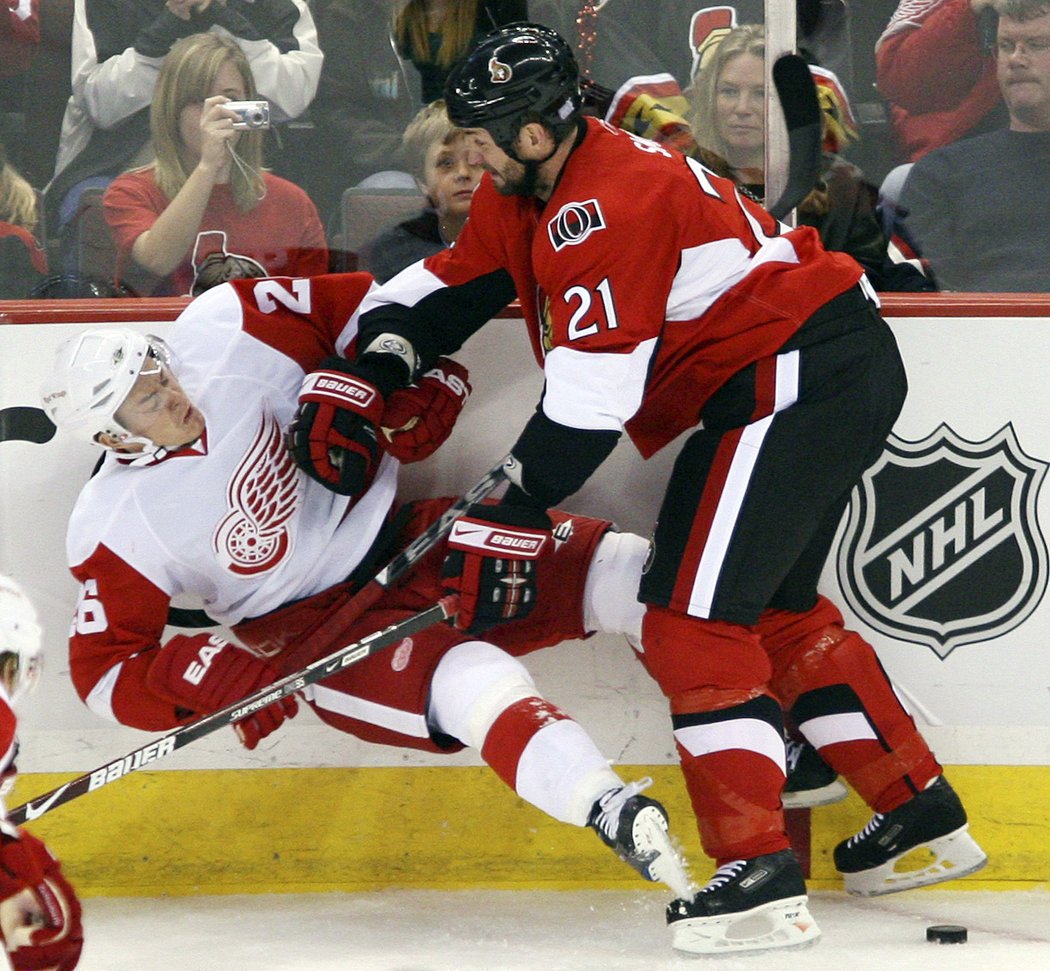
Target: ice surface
[420,930]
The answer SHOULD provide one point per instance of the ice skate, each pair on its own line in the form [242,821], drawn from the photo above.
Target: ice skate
[810,780]
[635,828]
[886,856]
[749,905]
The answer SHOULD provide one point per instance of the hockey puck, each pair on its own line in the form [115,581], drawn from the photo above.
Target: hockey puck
[946,934]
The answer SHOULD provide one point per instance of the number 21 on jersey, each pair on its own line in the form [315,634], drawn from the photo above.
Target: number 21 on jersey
[590,311]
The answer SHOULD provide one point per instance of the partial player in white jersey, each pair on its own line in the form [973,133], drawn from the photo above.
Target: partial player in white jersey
[198,502]
[40,925]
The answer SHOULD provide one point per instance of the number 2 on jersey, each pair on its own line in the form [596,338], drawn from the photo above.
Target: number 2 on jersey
[583,323]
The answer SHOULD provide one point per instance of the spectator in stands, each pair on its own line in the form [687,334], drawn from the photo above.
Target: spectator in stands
[47,91]
[615,41]
[208,179]
[365,98]
[118,49]
[434,34]
[934,65]
[437,155]
[22,261]
[727,116]
[19,36]
[977,209]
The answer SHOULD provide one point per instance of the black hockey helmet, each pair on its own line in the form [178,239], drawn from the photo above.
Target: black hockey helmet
[520,72]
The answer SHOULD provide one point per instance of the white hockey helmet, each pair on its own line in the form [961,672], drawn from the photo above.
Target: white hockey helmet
[92,375]
[21,648]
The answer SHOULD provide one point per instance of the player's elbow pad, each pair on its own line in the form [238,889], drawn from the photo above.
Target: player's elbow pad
[557,460]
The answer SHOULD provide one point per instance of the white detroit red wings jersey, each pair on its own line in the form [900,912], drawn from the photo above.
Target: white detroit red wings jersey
[230,524]
[646,281]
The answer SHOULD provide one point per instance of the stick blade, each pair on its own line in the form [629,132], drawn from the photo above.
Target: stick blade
[797,91]
[25,424]
[798,100]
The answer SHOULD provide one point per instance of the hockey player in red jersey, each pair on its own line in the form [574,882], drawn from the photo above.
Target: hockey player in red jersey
[659,301]
[40,925]
[199,503]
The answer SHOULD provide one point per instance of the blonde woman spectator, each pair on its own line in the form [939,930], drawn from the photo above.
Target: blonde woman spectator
[22,260]
[727,116]
[118,48]
[436,154]
[434,34]
[208,179]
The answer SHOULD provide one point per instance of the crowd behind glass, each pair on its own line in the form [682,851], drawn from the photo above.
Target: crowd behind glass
[126,174]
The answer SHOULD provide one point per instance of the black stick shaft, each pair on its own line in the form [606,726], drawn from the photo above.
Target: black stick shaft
[141,757]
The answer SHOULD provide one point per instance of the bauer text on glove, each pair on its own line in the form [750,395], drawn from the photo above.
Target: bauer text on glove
[492,561]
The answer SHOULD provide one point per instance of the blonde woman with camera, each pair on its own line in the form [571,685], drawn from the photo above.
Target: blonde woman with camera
[208,178]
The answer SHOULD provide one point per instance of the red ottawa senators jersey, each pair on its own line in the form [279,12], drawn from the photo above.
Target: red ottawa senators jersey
[646,282]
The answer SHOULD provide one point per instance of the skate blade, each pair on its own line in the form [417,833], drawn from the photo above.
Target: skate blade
[779,924]
[663,863]
[808,798]
[956,855]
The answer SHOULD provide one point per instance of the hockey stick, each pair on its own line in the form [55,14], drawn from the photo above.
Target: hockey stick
[24,424]
[798,98]
[318,670]
[333,627]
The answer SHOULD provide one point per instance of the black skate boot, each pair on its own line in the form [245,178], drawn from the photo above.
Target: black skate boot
[749,905]
[934,822]
[810,780]
[635,828]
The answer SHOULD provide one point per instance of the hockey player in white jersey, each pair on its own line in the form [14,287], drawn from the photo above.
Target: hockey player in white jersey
[40,926]
[198,502]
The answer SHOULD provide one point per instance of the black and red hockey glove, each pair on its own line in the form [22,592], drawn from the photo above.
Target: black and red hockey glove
[333,437]
[491,563]
[419,418]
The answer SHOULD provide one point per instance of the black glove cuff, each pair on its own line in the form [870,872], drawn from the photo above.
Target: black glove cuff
[557,460]
[387,372]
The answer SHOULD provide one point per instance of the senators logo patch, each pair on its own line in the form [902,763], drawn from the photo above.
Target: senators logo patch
[499,72]
[942,546]
[574,222]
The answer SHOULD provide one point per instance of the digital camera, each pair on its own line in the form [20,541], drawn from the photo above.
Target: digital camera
[251,114]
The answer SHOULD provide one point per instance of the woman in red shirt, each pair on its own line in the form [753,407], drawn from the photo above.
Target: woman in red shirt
[207,184]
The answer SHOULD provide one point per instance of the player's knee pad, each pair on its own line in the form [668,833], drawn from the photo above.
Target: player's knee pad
[610,598]
[842,701]
[472,685]
[688,654]
[830,655]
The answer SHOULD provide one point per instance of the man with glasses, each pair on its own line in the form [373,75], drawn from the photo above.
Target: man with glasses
[975,208]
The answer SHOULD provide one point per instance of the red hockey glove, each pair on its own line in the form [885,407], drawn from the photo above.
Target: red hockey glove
[419,418]
[491,563]
[333,435]
[204,673]
[39,912]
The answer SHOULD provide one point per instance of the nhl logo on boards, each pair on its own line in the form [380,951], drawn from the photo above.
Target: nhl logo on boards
[942,546]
